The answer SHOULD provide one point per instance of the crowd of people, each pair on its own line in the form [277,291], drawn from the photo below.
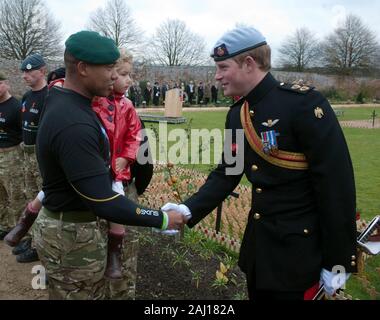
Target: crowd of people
[143,94]
[74,153]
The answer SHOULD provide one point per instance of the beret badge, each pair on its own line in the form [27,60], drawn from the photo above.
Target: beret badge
[221,51]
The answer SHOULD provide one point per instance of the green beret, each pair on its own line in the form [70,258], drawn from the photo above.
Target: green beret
[3,77]
[91,47]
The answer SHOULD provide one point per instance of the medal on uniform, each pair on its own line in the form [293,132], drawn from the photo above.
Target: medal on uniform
[269,139]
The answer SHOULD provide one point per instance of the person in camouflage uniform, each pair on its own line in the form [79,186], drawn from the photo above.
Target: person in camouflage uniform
[70,232]
[11,175]
[34,71]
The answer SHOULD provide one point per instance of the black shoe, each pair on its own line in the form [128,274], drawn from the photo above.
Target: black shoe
[22,247]
[29,255]
[3,234]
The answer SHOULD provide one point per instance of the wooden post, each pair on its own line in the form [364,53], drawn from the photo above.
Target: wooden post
[374,115]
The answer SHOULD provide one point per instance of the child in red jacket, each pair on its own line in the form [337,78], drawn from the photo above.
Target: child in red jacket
[123,128]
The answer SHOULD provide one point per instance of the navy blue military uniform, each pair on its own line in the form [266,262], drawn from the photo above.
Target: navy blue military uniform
[303,218]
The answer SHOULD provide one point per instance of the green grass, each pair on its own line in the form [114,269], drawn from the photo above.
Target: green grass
[364,145]
[359,289]
[358,113]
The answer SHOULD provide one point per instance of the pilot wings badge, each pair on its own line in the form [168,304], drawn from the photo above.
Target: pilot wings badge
[270,123]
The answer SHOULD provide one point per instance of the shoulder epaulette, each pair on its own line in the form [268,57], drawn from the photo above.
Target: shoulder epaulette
[298,88]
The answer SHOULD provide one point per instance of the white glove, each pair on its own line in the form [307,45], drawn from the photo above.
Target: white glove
[118,187]
[179,208]
[333,281]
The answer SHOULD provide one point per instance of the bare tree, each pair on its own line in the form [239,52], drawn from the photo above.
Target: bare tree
[116,22]
[27,27]
[175,45]
[299,50]
[350,46]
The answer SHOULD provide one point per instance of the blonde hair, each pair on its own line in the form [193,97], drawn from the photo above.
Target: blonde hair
[262,56]
[125,57]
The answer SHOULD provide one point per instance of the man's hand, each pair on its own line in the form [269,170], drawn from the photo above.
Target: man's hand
[176,220]
[121,164]
[333,281]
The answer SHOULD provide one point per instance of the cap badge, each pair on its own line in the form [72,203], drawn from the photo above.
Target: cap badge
[270,123]
[304,88]
[319,113]
[28,66]
[221,51]
[296,87]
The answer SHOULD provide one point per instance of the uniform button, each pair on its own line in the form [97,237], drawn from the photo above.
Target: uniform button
[258,190]
[257,216]
[353,263]
[111,107]
[353,258]
[110,119]
[255,168]
[306,231]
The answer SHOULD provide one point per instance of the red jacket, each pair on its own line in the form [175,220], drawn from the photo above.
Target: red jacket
[123,127]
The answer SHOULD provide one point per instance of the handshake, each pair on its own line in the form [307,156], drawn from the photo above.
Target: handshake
[177,216]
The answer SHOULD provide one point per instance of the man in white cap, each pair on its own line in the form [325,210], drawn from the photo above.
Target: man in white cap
[301,228]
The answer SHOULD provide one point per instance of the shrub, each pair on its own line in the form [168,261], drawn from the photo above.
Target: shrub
[334,94]
[360,97]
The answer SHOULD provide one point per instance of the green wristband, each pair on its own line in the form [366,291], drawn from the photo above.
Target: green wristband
[165,221]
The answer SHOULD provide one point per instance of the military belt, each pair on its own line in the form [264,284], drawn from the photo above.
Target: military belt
[71,216]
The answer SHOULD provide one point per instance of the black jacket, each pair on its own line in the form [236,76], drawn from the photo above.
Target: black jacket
[301,220]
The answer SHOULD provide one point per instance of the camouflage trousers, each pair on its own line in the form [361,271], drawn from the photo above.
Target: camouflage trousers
[12,198]
[74,255]
[125,288]
[33,180]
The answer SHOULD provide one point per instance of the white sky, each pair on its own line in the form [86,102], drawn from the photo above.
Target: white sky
[276,19]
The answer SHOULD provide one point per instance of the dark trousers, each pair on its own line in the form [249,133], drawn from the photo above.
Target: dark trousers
[264,295]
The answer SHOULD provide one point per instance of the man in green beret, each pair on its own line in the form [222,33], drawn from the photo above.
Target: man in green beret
[74,157]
